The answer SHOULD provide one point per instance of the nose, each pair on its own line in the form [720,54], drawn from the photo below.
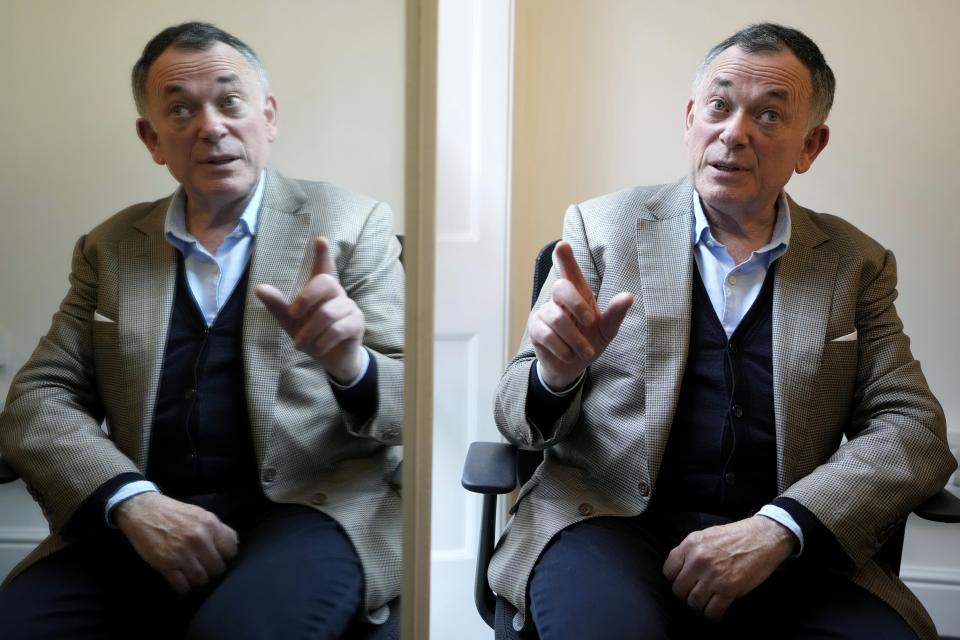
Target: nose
[212,127]
[736,130]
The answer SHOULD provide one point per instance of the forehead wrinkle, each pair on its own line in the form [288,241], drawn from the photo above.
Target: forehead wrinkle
[171,76]
[788,81]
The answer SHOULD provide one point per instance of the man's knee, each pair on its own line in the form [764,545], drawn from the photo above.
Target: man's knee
[602,579]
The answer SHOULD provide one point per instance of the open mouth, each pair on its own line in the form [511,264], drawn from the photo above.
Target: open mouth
[220,160]
[725,168]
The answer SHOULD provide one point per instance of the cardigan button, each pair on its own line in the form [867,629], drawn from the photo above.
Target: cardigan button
[585,508]
[269,474]
[643,488]
[318,498]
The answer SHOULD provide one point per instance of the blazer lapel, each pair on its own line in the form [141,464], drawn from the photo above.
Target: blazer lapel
[282,257]
[148,271]
[802,293]
[666,265]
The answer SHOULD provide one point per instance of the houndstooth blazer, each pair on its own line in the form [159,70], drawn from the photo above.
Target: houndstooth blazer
[602,457]
[86,371]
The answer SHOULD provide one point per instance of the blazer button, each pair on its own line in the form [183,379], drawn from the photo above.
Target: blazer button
[643,488]
[730,478]
[585,508]
[737,410]
[269,474]
[318,498]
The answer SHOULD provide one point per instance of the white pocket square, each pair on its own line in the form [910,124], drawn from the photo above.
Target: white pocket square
[850,337]
[99,317]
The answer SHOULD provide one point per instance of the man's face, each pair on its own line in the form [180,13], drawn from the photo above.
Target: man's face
[209,122]
[747,130]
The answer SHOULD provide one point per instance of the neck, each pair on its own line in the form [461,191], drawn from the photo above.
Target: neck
[210,222]
[741,232]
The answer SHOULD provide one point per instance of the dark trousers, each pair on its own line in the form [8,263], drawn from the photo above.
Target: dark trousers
[603,578]
[296,575]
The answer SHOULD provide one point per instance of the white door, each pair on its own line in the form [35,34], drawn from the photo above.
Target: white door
[473,169]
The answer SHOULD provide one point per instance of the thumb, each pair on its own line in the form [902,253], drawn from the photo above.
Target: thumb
[276,304]
[611,319]
[322,260]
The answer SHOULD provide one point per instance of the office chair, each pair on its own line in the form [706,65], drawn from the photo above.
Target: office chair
[497,468]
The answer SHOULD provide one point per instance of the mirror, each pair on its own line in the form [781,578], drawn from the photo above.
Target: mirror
[339,74]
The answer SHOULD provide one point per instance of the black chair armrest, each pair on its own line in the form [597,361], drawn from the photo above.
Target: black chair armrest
[943,507]
[490,467]
[7,474]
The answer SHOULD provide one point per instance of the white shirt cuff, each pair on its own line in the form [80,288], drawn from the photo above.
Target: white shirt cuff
[126,492]
[563,392]
[364,365]
[783,516]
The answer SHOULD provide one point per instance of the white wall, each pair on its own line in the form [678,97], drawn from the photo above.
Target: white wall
[70,157]
[600,88]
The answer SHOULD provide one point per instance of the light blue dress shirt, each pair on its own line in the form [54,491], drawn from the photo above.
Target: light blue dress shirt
[734,287]
[213,277]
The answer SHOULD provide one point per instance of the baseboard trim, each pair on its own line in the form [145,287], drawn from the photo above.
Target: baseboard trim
[939,591]
[22,535]
[930,575]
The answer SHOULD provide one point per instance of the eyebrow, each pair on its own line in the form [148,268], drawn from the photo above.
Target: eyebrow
[725,83]
[171,89]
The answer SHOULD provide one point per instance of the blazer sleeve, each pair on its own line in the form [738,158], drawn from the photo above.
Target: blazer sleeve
[50,430]
[896,453]
[373,278]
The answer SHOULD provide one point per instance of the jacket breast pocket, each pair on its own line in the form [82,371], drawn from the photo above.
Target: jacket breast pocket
[106,342]
[838,372]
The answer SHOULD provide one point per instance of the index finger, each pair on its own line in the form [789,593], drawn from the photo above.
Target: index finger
[570,270]
[322,260]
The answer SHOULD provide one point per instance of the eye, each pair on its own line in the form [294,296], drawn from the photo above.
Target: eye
[231,102]
[179,111]
[770,116]
[718,104]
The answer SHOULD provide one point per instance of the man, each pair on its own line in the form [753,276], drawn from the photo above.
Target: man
[208,425]
[690,369]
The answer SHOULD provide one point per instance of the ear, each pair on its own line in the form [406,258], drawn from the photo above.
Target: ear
[813,144]
[147,134]
[270,115]
[688,118]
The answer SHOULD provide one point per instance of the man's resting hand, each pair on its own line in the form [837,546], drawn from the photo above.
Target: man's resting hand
[188,545]
[713,567]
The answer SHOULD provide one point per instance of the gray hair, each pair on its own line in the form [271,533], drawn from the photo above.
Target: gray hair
[189,36]
[771,38]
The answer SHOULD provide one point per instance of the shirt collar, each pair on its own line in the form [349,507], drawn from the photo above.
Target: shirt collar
[779,240]
[175,225]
